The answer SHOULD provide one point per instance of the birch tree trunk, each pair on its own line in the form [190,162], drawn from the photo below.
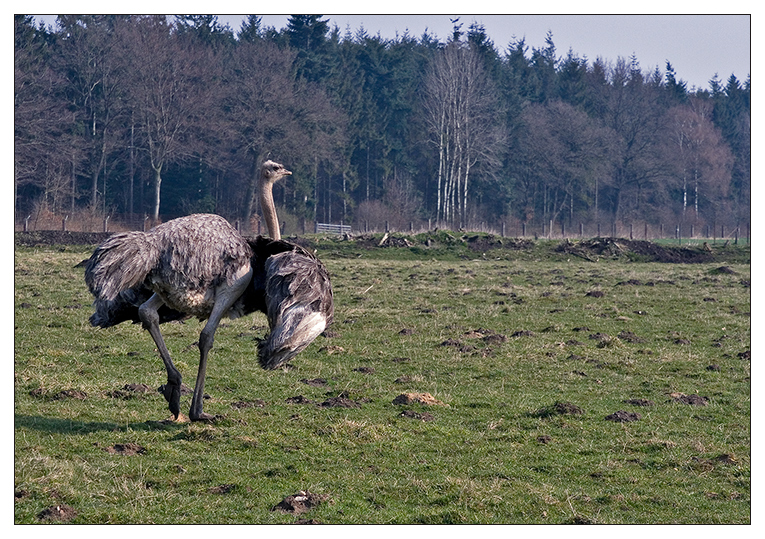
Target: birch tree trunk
[461,112]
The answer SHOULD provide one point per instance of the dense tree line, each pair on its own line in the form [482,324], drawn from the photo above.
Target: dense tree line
[163,116]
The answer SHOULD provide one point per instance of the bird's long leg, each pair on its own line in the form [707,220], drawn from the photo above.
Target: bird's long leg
[149,316]
[224,299]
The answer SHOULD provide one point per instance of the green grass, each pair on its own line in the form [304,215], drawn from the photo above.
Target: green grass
[500,452]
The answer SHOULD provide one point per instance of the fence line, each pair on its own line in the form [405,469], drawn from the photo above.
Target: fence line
[551,230]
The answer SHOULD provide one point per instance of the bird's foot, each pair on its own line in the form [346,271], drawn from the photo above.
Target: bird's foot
[172,394]
[202,416]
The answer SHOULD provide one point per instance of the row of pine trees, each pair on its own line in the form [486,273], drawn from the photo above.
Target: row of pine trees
[152,117]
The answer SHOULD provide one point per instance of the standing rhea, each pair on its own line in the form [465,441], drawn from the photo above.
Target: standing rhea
[201,266]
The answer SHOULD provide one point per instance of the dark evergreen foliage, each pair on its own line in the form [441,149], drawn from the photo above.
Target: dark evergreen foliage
[581,140]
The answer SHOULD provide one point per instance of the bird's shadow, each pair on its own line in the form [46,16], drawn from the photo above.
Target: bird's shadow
[58,425]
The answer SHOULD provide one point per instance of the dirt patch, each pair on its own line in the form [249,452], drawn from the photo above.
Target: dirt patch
[496,338]
[523,333]
[420,398]
[639,402]
[299,503]
[694,400]
[221,489]
[128,449]
[340,402]
[707,465]
[425,416]
[630,282]
[623,417]
[595,248]
[723,270]
[300,399]
[61,513]
[257,403]
[559,408]
[315,382]
[71,394]
[629,337]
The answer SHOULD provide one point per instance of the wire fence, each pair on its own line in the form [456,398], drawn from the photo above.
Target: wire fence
[682,233]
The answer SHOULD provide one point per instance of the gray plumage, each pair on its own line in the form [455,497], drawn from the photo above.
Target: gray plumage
[199,265]
[299,304]
[181,260]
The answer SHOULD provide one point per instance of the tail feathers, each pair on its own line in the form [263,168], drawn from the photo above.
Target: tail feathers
[299,304]
[120,263]
[297,328]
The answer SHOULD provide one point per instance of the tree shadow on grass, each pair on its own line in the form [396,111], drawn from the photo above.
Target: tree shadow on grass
[57,425]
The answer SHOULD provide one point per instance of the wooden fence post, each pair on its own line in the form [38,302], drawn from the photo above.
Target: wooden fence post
[63,223]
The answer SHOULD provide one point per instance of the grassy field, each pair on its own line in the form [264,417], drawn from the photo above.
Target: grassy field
[564,390]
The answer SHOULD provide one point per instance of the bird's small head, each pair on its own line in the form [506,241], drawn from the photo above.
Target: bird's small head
[271,171]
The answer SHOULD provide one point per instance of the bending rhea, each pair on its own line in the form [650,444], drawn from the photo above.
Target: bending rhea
[201,266]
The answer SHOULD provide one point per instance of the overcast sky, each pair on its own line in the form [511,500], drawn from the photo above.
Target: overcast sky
[697,46]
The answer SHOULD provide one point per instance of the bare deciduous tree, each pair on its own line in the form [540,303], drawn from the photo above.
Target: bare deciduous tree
[94,84]
[571,153]
[272,115]
[700,160]
[462,112]
[172,90]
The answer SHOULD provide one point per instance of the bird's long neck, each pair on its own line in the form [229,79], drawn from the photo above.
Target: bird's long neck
[269,210]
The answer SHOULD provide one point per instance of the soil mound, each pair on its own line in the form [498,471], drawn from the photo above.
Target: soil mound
[59,237]
[647,251]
